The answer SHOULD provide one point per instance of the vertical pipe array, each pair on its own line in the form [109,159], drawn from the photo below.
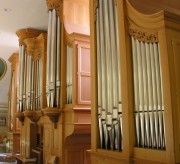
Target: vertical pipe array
[21,92]
[69,74]
[33,88]
[53,60]
[149,110]
[108,72]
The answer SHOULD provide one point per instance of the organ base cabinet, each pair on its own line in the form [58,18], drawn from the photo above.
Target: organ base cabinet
[135,84]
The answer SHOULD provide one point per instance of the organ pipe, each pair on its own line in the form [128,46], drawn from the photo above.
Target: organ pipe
[108,72]
[149,112]
[53,60]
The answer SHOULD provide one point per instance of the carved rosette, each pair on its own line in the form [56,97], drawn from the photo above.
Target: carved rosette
[149,37]
[58,5]
[27,33]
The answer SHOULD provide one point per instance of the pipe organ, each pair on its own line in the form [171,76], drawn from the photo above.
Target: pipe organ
[35,66]
[53,55]
[22,69]
[13,123]
[149,106]
[108,72]
[134,84]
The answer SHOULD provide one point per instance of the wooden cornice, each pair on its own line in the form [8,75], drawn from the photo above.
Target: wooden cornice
[27,33]
[14,58]
[151,22]
[58,5]
[71,38]
[42,43]
[36,46]
[68,39]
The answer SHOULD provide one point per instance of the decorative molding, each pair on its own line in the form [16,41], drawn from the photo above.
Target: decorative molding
[53,114]
[34,116]
[69,39]
[20,116]
[14,58]
[96,5]
[36,46]
[148,37]
[58,5]
[27,33]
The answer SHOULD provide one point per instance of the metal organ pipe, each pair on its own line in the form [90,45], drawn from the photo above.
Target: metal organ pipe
[21,79]
[48,64]
[149,119]
[69,74]
[58,85]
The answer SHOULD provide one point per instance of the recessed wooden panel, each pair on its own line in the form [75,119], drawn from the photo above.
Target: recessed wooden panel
[176,56]
[84,77]
[74,156]
[85,59]
[85,89]
[78,20]
[47,137]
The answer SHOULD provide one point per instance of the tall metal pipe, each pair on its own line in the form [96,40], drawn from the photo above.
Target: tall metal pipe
[48,64]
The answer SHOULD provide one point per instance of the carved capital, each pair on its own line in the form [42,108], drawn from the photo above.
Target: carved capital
[14,58]
[148,37]
[42,43]
[58,5]
[36,46]
[27,33]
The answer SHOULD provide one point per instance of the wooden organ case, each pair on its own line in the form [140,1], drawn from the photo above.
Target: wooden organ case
[54,94]
[13,123]
[135,100]
[67,90]
[31,91]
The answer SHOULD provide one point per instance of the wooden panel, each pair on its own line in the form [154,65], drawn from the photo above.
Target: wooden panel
[56,140]
[176,86]
[87,159]
[27,142]
[78,20]
[84,80]
[48,134]
[73,155]
[16,143]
